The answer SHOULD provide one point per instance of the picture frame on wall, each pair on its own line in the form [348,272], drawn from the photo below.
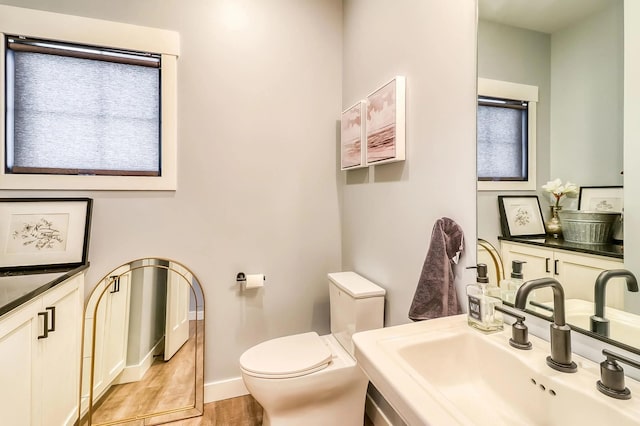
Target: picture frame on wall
[601,198]
[44,233]
[521,216]
[352,137]
[385,123]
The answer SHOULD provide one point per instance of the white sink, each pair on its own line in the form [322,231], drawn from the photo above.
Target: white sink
[623,326]
[442,372]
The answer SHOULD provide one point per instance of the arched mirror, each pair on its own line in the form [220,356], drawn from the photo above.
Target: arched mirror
[143,345]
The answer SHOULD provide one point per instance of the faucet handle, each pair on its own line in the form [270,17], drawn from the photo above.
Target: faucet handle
[519,331]
[611,381]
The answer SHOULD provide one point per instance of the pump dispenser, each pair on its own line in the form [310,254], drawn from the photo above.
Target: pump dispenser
[509,286]
[483,298]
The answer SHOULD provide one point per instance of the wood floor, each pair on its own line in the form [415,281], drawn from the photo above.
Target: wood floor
[151,394]
[241,411]
[165,386]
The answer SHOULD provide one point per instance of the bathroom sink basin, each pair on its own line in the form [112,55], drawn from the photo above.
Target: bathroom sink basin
[623,326]
[443,372]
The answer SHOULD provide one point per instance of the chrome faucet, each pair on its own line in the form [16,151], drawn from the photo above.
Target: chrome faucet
[560,336]
[599,324]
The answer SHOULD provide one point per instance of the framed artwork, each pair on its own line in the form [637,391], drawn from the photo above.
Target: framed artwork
[520,216]
[385,123]
[601,198]
[44,233]
[352,137]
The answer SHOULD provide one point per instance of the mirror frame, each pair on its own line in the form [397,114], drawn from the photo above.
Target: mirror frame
[180,413]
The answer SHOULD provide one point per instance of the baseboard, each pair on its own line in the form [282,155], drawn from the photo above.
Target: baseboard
[375,413]
[134,373]
[196,315]
[224,389]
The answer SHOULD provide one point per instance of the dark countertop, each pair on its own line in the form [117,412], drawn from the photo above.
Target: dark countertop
[608,250]
[17,289]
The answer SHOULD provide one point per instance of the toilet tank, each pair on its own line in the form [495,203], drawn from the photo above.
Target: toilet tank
[356,303]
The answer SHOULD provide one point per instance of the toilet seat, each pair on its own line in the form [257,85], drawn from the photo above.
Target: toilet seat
[286,357]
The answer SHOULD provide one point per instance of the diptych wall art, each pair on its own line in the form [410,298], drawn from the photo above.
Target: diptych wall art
[373,130]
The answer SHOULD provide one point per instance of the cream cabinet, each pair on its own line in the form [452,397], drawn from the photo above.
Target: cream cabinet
[577,272]
[40,357]
[111,322]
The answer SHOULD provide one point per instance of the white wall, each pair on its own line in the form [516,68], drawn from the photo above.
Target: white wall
[520,56]
[259,88]
[389,210]
[587,102]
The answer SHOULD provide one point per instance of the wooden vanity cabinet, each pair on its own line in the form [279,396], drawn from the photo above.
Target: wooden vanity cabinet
[577,272]
[40,344]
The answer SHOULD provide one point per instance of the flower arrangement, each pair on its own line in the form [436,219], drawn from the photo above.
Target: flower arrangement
[559,190]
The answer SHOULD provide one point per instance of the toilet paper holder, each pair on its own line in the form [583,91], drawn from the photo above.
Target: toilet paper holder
[241,278]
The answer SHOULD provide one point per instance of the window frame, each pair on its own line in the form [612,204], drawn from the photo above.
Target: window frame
[508,90]
[95,32]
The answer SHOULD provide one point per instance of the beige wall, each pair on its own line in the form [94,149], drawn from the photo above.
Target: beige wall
[259,90]
[389,210]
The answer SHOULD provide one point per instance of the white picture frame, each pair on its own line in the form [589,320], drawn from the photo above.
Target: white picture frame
[352,137]
[385,123]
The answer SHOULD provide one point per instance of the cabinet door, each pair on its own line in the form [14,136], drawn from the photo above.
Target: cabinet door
[18,353]
[116,332]
[578,273]
[177,310]
[539,264]
[60,353]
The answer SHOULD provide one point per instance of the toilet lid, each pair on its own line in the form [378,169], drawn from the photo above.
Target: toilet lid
[288,356]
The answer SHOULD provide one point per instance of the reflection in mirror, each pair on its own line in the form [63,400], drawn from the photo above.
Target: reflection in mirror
[143,345]
[490,256]
[572,50]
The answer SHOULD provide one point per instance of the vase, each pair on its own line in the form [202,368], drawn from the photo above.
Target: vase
[554,228]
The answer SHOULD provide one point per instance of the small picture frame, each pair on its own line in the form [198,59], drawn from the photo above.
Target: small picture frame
[601,198]
[521,216]
[43,233]
[385,123]
[352,137]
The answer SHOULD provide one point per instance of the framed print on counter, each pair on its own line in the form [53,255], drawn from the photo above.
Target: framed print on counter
[521,216]
[44,233]
[601,198]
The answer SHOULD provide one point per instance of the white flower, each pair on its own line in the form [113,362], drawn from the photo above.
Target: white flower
[553,186]
[559,190]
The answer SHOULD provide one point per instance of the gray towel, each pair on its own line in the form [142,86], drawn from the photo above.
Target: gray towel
[436,295]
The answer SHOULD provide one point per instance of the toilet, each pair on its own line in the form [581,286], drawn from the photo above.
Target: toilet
[311,380]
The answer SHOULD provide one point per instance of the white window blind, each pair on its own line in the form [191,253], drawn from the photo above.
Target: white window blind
[81,110]
[502,139]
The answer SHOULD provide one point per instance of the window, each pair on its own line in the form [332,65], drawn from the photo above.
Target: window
[502,139]
[87,104]
[78,110]
[506,135]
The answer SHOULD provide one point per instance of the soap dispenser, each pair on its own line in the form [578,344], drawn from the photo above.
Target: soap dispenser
[483,298]
[509,286]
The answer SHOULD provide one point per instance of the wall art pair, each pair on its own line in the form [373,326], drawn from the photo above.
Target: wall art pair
[373,130]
